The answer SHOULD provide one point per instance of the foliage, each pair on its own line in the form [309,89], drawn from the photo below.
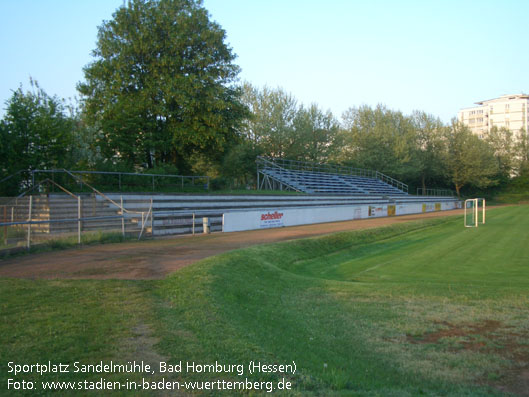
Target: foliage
[161,87]
[239,163]
[469,160]
[522,152]
[36,133]
[315,134]
[503,144]
[271,126]
[429,149]
[282,128]
[378,139]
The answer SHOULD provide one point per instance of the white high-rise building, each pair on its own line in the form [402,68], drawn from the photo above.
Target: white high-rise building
[509,111]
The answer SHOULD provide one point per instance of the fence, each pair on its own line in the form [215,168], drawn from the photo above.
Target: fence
[435,192]
[126,181]
[38,219]
[77,219]
[109,181]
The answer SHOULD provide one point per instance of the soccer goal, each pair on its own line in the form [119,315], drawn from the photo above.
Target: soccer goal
[472,212]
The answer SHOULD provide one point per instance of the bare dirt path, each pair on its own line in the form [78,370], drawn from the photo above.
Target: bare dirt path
[154,259]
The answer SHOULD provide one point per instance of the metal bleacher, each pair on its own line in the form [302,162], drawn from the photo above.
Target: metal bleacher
[312,178]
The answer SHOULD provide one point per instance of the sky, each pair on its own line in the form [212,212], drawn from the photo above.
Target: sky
[433,56]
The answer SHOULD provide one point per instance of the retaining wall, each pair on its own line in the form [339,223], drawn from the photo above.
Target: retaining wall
[250,220]
[183,213]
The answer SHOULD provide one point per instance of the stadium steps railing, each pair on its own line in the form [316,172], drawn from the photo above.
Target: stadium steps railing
[303,176]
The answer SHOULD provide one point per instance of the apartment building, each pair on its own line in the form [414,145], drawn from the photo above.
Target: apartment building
[509,111]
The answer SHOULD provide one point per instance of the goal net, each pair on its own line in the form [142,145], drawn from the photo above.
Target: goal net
[474,212]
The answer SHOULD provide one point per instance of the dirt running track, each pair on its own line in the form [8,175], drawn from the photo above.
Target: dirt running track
[154,259]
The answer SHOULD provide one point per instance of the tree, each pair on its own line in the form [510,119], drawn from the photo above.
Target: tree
[282,128]
[315,133]
[429,149]
[469,160]
[522,152]
[378,139]
[239,163]
[502,142]
[36,133]
[161,86]
[271,124]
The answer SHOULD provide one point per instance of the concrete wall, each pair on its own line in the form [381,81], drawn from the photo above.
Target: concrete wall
[263,219]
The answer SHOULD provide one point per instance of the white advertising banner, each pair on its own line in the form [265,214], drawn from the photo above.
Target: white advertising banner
[411,208]
[264,219]
[376,211]
[242,220]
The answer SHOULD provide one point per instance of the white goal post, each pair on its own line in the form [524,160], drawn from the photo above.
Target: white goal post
[471,217]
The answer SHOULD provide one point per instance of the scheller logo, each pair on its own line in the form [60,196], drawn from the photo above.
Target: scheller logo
[269,216]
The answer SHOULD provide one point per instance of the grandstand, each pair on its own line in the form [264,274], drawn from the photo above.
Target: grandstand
[312,178]
[327,193]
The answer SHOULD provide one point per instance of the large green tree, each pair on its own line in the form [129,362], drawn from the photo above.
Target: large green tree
[521,148]
[36,133]
[271,125]
[429,149]
[378,139]
[469,160]
[282,128]
[161,87]
[503,143]
[315,134]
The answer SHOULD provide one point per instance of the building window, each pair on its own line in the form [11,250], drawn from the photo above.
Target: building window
[491,109]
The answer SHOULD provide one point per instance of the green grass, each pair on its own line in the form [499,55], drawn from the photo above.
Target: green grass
[422,308]
[66,321]
[62,243]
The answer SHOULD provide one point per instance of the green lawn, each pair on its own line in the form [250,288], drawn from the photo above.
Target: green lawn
[423,308]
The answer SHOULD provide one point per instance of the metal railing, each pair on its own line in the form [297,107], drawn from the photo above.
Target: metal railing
[331,169]
[181,180]
[435,192]
[121,213]
[120,181]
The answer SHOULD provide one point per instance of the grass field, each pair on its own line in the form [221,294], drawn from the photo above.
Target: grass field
[422,308]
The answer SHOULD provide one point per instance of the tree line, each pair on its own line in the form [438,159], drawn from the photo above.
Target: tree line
[162,96]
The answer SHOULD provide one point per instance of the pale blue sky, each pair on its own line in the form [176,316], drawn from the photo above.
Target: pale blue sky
[436,56]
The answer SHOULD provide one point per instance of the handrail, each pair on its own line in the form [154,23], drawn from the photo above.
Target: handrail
[331,168]
[39,184]
[122,173]
[60,187]
[435,192]
[79,219]
[123,209]
[182,177]
[145,221]
[102,194]
[12,175]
